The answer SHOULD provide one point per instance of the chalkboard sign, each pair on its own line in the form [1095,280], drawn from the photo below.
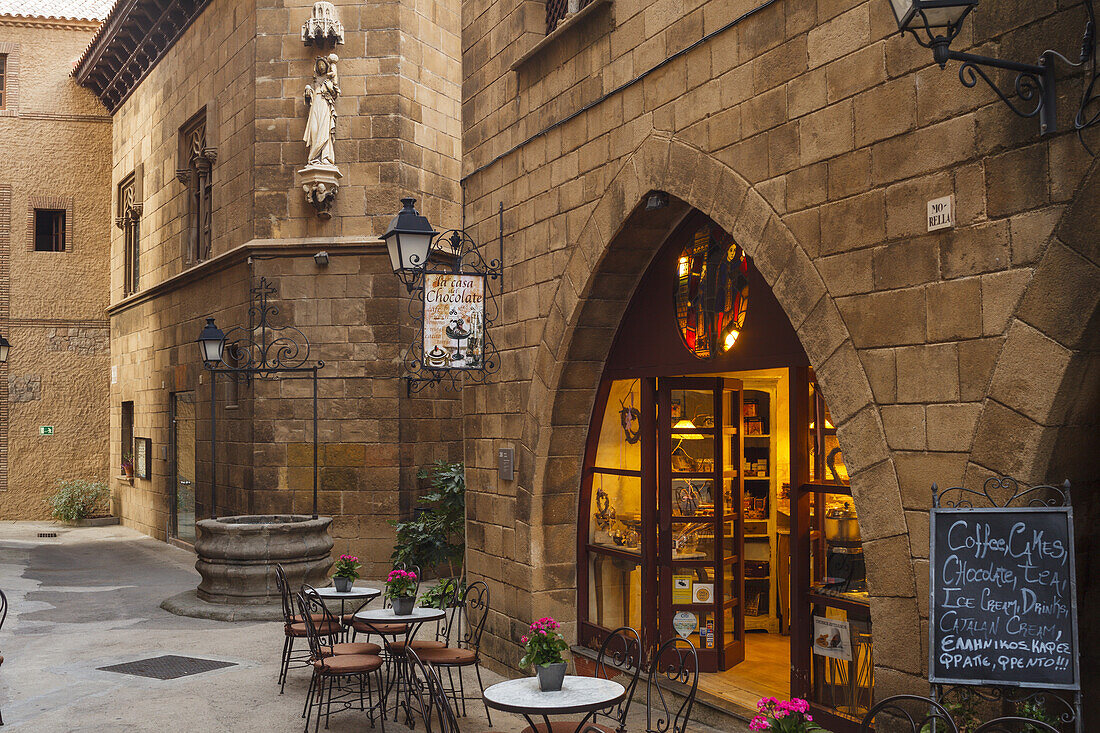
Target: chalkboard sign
[1003,597]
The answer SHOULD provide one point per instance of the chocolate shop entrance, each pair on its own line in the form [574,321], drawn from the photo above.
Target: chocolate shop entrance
[715,502]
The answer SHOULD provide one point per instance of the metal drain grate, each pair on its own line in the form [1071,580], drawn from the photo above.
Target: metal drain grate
[167,667]
[47,534]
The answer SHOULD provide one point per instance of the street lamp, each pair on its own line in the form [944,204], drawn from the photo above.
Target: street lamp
[4,346]
[409,240]
[211,342]
[936,23]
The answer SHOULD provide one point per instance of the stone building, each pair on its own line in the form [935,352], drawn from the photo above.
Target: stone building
[212,195]
[54,220]
[802,141]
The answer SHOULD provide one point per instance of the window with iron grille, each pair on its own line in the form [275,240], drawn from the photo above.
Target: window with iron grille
[49,230]
[3,81]
[129,221]
[559,10]
[196,175]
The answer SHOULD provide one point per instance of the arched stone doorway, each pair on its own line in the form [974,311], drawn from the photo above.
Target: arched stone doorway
[607,261]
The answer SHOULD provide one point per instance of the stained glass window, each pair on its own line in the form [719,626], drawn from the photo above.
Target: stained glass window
[711,292]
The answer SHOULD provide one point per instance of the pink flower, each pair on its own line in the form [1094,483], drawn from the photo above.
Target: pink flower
[809,718]
[523,639]
[759,723]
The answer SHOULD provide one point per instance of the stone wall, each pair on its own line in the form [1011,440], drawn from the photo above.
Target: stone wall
[397,134]
[54,146]
[815,135]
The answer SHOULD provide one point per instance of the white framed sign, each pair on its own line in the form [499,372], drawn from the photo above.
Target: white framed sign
[832,638]
[454,321]
[941,213]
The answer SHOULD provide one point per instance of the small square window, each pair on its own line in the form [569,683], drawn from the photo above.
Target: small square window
[49,230]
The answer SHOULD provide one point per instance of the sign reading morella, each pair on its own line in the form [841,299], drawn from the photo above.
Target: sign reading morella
[454,321]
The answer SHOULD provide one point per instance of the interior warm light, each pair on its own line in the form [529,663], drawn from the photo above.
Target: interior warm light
[683,266]
[828,425]
[686,424]
[731,339]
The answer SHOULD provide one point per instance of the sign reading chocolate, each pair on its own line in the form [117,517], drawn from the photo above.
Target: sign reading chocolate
[1003,597]
[454,320]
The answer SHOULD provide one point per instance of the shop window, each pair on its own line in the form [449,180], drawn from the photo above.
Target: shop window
[711,292]
[49,230]
[197,160]
[129,221]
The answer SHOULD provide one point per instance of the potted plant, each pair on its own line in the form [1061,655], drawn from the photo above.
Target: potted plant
[346,573]
[401,590]
[128,465]
[784,716]
[542,647]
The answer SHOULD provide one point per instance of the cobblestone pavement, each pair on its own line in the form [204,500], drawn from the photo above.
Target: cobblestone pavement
[90,599]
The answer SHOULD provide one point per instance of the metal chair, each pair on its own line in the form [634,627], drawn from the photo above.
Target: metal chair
[676,662]
[431,697]
[292,629]
[620,654]
[469,621]
[331,670]
[919,712]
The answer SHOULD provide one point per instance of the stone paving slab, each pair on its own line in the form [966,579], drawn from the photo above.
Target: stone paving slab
[91,597]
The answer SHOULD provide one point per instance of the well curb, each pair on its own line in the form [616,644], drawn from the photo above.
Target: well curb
[189,604]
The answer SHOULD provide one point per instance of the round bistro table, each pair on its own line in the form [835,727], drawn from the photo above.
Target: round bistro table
[412,621]
[578,695]
[357,593]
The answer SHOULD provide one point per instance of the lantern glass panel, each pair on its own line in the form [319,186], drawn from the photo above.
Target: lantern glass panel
[4,353]
[937,13]
[211,349]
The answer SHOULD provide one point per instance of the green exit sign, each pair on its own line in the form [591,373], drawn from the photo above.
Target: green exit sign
[45,429]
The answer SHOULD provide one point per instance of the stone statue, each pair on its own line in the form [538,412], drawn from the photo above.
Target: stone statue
[321,97]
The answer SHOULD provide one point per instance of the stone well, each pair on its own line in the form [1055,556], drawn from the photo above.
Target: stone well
[237,556]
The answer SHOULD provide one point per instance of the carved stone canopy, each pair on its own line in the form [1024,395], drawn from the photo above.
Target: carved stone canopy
[323,26]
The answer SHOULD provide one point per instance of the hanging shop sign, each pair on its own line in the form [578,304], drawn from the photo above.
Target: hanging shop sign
[1003,596]
[832,638]
[454,320]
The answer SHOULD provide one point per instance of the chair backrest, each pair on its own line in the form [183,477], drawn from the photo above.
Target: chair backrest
[920,714]
[311,606]
[472,613]
[286,593]
[621,656]
[3,608]
[673,662]
[316,602]
[434,704]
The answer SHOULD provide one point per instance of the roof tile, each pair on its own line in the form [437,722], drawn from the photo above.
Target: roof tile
[72,9]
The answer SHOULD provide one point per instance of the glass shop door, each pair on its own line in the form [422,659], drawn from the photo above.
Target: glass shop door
[182,476]
[700,533]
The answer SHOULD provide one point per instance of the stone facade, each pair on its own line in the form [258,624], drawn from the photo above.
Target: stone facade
[55,153]
[397,134]
[815,135]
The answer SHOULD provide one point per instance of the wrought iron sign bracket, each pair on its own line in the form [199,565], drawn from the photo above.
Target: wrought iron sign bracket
[456,253]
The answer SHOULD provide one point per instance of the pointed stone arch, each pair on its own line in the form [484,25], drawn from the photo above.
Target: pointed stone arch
[587,307]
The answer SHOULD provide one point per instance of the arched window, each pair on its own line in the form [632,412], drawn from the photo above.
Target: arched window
[712,291]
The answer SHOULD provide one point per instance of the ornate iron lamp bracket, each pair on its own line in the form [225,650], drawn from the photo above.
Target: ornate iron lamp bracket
[456,253]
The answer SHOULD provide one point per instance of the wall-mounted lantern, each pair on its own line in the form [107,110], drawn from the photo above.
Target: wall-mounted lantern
[409,240]
[211,343]
[936,23]
[4,347]
[453,284]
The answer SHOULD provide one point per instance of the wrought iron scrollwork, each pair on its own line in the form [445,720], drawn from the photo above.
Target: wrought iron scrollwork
[261,349]
[1002,491]
[1028,87]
